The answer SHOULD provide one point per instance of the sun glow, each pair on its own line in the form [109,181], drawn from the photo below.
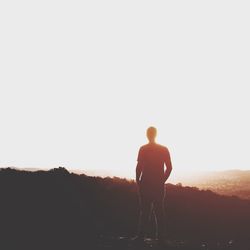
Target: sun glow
[80,92]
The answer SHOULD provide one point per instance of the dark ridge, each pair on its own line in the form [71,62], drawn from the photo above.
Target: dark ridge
[56,209]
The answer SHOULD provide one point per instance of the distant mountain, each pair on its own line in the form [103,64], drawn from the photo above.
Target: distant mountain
[230,182]
[89,172]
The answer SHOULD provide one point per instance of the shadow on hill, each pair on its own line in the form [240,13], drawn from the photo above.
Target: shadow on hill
[59,210]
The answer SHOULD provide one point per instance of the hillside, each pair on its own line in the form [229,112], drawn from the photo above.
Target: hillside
[230,182]
[59,210]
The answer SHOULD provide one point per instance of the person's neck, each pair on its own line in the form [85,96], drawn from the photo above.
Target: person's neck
[151,142]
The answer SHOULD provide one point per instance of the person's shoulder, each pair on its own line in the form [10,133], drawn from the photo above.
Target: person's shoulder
[162,147]
[143,146]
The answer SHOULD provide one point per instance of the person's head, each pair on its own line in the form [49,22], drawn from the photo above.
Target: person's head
[151,134]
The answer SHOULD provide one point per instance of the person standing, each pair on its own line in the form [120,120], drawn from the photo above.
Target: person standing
[152,171]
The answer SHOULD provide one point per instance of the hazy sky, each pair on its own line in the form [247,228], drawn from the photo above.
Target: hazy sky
[80,81]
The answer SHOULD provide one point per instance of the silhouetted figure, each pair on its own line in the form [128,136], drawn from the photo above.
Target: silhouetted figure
[151,177]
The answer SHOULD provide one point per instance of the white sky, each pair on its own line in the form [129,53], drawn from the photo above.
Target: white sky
[80,81]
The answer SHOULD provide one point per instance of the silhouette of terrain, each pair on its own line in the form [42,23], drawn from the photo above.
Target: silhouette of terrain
[230,182]
[56,209]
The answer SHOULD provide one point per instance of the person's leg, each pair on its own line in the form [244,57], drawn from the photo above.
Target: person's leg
[160,215]
[145,207]
[152,223]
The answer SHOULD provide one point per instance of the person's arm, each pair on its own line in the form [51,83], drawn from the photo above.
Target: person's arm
[139,166]
[168,164]
[138,172]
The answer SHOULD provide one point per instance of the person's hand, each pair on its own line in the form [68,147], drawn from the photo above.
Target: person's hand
[138,185]
[138,182]
[163,180]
